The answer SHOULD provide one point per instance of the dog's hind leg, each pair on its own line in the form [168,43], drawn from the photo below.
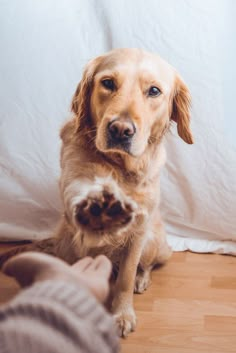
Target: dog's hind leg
[156,251]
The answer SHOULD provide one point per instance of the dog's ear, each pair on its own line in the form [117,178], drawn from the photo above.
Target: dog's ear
[81,99]
[181,102]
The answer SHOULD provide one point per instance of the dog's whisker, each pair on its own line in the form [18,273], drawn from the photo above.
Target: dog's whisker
[88,132]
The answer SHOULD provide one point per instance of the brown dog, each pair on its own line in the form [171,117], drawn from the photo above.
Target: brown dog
[111,158]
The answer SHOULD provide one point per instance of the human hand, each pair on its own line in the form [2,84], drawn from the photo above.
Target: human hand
[31,267]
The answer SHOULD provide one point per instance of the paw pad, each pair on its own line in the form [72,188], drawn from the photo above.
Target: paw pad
[102,211]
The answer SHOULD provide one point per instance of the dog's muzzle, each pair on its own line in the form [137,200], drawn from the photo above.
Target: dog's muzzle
[120,134]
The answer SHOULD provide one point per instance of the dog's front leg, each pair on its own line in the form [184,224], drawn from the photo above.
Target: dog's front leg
[122,305]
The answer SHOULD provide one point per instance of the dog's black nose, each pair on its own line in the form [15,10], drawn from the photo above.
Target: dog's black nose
[121,131]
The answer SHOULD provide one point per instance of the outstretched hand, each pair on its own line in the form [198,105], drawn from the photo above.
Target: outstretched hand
[31,267]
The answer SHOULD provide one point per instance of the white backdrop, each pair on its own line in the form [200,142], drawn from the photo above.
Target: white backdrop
[44,45]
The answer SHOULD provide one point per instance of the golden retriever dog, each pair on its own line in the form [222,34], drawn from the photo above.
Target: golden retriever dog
[111,157]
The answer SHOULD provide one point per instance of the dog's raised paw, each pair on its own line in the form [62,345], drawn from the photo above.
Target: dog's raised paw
[102,210]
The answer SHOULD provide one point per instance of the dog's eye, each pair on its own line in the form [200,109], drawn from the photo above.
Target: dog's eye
[108,84]
[154,91]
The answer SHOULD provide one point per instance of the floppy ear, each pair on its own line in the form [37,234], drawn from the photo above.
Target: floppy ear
[81,99]
[181,110]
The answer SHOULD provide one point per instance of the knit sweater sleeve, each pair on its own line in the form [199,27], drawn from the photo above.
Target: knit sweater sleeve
[55,317]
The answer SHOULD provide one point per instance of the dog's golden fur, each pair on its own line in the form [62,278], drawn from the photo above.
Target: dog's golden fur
[111,192]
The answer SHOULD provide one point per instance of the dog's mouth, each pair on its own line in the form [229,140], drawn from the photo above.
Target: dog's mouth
[119,146]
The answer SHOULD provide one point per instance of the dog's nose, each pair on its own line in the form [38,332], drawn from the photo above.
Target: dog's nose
[121,130]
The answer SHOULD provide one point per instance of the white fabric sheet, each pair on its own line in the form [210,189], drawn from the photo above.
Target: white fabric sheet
[44,46]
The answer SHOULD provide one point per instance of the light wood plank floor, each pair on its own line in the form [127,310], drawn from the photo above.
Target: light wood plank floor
[189,308]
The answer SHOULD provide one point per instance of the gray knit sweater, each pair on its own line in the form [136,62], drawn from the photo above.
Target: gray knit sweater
[56,316]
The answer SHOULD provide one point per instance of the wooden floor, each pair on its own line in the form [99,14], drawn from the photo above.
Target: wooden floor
[189,308]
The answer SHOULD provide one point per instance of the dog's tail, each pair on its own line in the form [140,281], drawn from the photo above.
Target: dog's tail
[47,246]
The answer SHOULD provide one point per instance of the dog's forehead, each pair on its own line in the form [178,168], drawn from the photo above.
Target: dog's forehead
[139,63]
